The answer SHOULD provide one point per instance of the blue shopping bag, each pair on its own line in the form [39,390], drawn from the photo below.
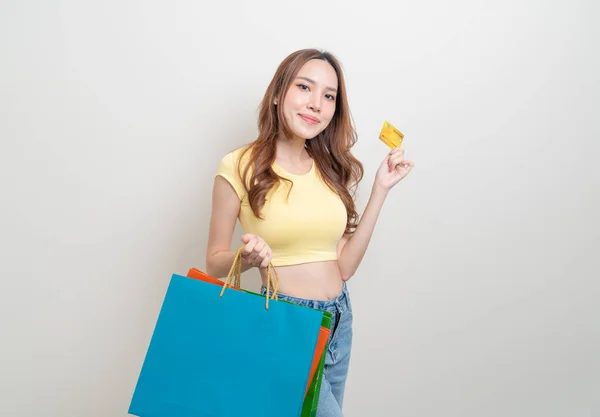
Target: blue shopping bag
[218,352]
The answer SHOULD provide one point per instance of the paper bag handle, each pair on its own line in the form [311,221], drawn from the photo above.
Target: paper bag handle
[235,275]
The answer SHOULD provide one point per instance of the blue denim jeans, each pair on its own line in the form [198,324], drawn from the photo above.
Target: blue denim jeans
[337,358]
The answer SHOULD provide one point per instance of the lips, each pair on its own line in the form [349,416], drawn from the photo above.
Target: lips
[309,119]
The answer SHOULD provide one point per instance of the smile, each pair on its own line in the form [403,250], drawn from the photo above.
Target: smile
[309,119]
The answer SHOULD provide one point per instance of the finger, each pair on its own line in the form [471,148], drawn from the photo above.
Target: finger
[265,257]
[250,246]
[247,238]
[254,259]
[397,150]
[404,165]
[263,253]
[268,257]
[396,159]
[391,153]
[260,245]
[265,262]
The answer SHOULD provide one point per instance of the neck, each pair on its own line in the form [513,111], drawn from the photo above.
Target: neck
[291,149]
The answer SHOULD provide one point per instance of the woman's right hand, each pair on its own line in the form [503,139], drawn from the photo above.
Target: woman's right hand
[256,251]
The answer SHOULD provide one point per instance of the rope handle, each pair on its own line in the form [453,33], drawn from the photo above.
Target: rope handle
[234,277]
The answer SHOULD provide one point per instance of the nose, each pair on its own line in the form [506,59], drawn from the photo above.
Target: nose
[314,103]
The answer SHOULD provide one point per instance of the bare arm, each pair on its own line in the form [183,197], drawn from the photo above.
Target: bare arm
[225,210]
[352,249]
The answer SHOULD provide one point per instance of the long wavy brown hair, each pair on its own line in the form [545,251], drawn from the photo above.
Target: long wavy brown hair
[330,150]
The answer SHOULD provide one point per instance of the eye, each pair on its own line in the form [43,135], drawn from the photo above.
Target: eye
[303,87]
[329,97]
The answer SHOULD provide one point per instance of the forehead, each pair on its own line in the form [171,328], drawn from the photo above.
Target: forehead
[320,71]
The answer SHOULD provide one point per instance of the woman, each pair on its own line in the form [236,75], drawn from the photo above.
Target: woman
[292,190]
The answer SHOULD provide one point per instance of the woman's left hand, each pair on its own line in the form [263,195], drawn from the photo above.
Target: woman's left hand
[393,168]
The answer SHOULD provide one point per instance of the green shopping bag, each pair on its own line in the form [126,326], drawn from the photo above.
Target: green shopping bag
[311,401]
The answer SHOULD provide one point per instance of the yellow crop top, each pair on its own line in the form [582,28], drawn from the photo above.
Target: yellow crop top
[304,227]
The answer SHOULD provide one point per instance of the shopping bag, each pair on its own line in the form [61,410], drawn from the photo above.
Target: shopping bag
[323,333]
[188,371]
[311,398]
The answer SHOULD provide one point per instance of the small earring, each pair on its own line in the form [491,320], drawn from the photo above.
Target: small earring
[275,102]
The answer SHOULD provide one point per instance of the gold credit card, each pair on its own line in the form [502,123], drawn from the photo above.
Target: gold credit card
[391,136]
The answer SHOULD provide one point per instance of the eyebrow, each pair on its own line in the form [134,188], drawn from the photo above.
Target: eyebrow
[312,81]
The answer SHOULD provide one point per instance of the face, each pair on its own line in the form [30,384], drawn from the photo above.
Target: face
[309,104]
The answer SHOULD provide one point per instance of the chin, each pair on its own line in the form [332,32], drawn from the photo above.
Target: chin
[309,136]
[307,133]
[302,134]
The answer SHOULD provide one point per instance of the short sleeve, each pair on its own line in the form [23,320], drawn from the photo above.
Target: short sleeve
[228,169]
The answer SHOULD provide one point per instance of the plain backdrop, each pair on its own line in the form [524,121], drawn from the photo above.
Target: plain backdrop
[479,294]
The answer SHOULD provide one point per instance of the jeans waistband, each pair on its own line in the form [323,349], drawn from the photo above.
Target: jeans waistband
[339,304]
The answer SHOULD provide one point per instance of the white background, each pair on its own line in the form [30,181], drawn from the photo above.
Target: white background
[479,294]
